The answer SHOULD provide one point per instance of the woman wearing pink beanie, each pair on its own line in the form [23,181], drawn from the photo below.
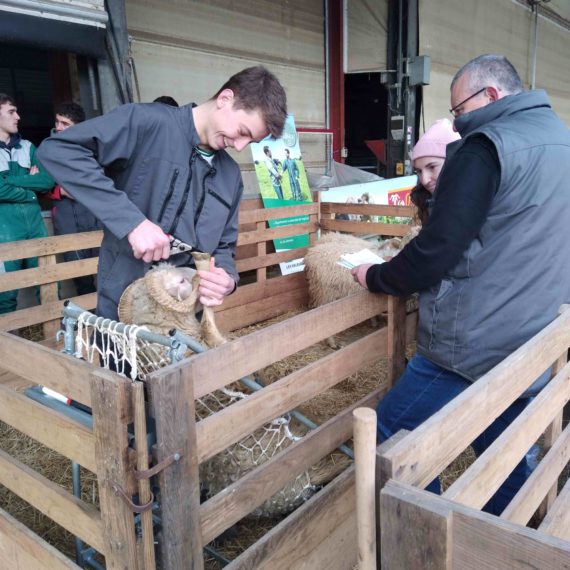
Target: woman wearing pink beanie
[428,157]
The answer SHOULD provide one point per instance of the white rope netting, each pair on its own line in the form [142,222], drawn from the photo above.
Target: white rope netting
[99,342]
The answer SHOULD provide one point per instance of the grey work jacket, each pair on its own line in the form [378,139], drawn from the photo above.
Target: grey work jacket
[514,276]
[139,161]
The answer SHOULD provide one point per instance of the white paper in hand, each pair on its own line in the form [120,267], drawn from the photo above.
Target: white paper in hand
[350,260]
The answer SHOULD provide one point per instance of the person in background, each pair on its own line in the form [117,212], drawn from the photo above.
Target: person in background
[21,176]
[152,172]
[274,174]
[70,216]
[167,100]
[488,278]
[428,156]
[290,166]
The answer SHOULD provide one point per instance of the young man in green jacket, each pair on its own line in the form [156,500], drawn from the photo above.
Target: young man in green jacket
[20,178]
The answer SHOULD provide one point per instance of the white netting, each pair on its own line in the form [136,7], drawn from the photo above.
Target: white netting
[99,342]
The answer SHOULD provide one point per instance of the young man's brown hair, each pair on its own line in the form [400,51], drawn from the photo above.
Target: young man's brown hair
[256,88]
[6,99]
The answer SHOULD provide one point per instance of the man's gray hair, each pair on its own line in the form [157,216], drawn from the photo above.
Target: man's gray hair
[491,70]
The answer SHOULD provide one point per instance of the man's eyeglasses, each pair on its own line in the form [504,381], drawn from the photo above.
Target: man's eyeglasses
[456,112]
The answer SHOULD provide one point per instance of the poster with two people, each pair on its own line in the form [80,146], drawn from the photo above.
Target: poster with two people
[283,182]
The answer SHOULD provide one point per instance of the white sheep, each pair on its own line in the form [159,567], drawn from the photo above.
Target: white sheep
[328,281]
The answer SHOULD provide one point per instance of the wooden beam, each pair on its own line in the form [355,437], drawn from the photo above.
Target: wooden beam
[480,481]
[22,549]
[261,348]
[264,214]
[475,408]
[40,365]
[396,338]
[44,312]
[484,542]
[49,245]
[541,481]
[235,422]
[557,520]
[258,291]
[319,534]
[79,518]
[365,227]
[112,412]
[266,260]
[53,429]
[266,308]
[416,532]
[551,433]
[49,294]
[365,471]
[240,498]
[48,274]
[454,536]
[172,402]
[275,233]
[367,209]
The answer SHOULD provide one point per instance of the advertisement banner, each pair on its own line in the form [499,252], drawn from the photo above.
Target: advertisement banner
[283,182]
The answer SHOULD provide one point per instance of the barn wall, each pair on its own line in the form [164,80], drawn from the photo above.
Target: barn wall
[366,35]
[452,34]
[188,50]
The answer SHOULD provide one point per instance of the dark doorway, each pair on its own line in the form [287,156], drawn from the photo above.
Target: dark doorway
[26,75]
[366,103]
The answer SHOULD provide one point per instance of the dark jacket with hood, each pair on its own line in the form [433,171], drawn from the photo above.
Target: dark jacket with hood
[139,161]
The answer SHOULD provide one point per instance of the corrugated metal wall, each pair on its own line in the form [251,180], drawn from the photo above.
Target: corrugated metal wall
[452,33]
[366,35]
[188,49]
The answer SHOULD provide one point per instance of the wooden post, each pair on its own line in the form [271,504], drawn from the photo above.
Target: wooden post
[365,464]
[48,294]
[148,556]
[416,533]
[396,338]
[112,412]
[172,403]
[551,434]
[261,251]
[384,472]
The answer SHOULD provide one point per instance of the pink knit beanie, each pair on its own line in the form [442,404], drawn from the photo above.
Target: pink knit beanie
[435,139]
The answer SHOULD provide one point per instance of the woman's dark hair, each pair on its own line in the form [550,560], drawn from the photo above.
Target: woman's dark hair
[420,198]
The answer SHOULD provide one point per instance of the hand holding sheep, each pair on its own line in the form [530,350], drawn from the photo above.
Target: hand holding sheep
[359,274]
[215,284]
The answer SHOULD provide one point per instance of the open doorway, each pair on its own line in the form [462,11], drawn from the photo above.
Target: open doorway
[25,74]
[365,103]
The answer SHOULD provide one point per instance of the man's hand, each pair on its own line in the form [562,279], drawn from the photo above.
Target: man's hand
[359,274]
[64,193]
[34,170]
[149,242]
[215,284]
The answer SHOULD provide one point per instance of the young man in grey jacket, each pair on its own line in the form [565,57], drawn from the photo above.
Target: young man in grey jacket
[488,279]
[152,171]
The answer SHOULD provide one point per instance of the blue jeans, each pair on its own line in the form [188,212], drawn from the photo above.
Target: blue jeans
[423,389]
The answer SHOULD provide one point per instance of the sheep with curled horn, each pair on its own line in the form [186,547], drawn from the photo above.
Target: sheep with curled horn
[167,298]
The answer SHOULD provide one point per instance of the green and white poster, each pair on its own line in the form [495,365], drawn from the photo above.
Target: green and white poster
[283,182]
